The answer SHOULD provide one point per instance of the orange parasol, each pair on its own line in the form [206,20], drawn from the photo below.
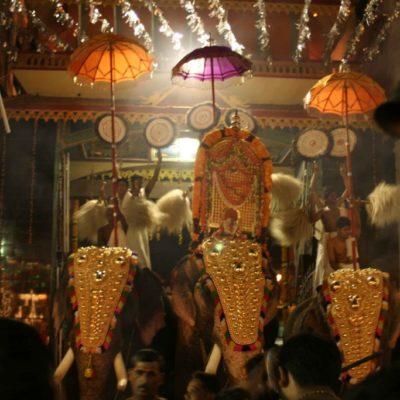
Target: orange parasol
[327,96]
[111,59]
[342,94]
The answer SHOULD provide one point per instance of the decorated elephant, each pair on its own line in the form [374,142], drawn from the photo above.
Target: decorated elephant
[357,310]
[224,294]
[117,309]
[222,319]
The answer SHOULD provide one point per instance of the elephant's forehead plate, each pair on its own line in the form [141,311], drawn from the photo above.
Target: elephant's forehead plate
[100,277]
[235,267]
[357,299]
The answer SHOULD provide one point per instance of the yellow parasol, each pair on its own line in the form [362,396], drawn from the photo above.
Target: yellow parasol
[111,58]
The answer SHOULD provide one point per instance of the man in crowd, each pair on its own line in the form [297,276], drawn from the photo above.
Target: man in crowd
[146,375]
[202,386]
[309,368]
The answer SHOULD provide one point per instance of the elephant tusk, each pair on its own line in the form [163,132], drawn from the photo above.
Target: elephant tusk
[64,366]
[120,372]
[214,360]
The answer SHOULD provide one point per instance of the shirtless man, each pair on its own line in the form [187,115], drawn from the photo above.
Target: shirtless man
[328,211]
[338,253]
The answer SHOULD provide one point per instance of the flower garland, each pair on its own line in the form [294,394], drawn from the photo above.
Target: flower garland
[369,17]
[194,21]
[372,51]
[262,26]
[61,16]
[206,281]
[304,32]
[75,306]
[346,376]
[165,28]
[223,27]
[17,6]
[341,19]
[131,18]
[95,16]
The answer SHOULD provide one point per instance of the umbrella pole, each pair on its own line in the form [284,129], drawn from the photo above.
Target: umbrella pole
[113,150]
[213,88]
[349,168]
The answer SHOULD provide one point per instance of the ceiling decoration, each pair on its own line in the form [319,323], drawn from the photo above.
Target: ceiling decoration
[304,32]
[335,32]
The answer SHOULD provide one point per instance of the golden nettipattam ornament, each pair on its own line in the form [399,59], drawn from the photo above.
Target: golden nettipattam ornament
[356,304]
[235,267]
[99,277]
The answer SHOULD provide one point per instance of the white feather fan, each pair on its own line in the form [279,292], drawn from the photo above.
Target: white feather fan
[285,192]
[384,205]
[89,218]
[175,206]
[291,226]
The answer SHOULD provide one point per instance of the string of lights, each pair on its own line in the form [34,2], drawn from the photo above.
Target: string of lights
[223,26]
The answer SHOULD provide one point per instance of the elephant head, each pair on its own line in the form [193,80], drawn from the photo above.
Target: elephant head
[118,308]
[352,309]
[221,306]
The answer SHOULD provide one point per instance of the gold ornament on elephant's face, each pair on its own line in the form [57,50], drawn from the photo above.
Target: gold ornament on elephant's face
[235,267]
[100,276]
[356,301]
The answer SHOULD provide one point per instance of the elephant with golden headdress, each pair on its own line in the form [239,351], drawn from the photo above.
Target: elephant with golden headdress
[225,293]
[357,310]
[117,309]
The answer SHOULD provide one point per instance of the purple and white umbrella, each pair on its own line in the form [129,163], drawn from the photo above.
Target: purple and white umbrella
[212,66]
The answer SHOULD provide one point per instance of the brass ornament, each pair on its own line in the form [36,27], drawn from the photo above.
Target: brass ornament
[235,267]
[356,301]
[100,278]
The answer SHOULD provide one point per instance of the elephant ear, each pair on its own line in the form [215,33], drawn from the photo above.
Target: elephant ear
[183,281]
[151,310]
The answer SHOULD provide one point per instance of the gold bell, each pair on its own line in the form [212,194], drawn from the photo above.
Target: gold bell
[89,373]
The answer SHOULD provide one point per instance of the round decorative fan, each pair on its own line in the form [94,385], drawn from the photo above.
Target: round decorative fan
[160,132]
[103,127]
[339,142]
[247,121]
[312,143]
[201,117]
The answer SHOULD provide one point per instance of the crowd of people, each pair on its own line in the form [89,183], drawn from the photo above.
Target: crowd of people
[305,367]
